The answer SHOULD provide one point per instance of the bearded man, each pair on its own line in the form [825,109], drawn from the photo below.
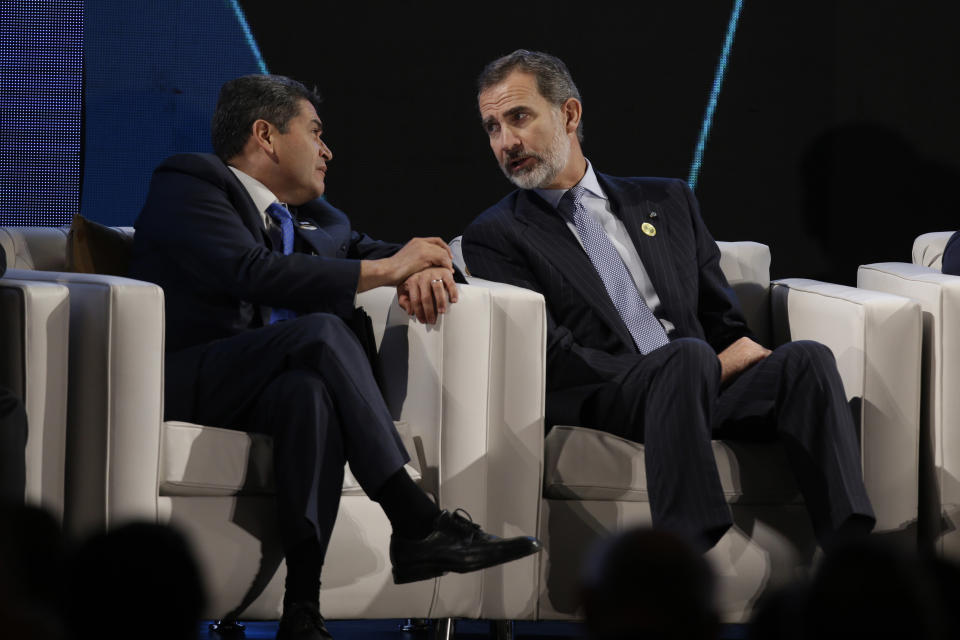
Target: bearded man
[645,338]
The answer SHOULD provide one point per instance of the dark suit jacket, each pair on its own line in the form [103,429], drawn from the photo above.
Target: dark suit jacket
[951,255]
[523,241]
[200,237]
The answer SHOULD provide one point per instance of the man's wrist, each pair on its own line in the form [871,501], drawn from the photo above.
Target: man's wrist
[374,273]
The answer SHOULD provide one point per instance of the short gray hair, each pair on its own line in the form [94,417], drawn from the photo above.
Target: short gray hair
[554,81]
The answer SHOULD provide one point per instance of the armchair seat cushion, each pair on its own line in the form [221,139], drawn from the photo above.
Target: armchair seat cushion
[210,461]
[586,464]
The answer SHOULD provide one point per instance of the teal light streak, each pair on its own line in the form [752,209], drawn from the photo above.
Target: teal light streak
[251,41]
[714,94]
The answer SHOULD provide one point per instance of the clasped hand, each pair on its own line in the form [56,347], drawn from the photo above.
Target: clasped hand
[422,271]
[740,356]
[428,293]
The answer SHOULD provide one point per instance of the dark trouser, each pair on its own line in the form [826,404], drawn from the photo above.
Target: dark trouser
[13,445]
[672,402]
[308,384]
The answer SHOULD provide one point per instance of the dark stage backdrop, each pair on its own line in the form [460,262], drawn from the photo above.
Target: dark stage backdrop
[834,138]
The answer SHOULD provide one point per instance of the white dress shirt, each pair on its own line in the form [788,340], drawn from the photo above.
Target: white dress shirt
[598,206]
[262,196]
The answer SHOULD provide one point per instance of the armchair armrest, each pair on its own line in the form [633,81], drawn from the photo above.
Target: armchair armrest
[34,321]
[115,404]
[516,374]
[876,339]
[939,297]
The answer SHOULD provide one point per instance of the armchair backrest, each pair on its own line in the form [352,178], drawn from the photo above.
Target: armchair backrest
[38,248]
[746,266]
[928,249]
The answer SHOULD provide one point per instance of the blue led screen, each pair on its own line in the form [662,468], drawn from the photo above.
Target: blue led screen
[153,71]
[41,74]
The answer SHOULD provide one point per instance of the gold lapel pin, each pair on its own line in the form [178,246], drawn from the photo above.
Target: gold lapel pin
[648,229]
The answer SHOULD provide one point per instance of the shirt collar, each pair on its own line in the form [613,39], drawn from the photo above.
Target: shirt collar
[589,183]
[262,196]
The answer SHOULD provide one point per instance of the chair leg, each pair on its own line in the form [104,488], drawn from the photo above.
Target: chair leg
[415,625]
[228,628]
[444,629]
[501,629]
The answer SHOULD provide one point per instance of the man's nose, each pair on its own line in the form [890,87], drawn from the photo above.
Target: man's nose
[325,151]
[508,139]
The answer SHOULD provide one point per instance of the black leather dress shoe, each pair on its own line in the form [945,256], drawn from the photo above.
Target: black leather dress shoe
[302,621]
[455,544]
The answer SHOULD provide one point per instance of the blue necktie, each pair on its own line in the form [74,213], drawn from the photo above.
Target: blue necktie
[646,330]
[283,218]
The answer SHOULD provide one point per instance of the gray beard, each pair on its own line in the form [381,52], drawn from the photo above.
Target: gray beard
[548,166]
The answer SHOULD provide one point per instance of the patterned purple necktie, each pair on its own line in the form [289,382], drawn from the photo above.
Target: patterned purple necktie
[648,334]
[283,218]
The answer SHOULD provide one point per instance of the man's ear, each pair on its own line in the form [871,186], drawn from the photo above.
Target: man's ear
[572,112]
[262,134]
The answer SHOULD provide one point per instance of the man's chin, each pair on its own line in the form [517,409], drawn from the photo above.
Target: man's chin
[527,179]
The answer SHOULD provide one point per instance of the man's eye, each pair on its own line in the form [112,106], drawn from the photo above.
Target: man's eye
[491,129]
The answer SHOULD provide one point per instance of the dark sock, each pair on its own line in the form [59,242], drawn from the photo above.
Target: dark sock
[410,511]
[304,562]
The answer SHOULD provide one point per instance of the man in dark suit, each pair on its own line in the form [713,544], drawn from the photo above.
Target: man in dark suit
[951,256]
[645,339]
[260,278]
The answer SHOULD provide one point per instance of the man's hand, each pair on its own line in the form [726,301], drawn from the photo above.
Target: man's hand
[428,293]
[740,356]
[415,256]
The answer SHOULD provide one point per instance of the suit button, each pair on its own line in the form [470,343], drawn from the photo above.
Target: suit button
[343,248]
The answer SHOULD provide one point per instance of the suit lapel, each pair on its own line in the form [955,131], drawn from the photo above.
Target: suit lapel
[630,205]
[547,232]
[247,209]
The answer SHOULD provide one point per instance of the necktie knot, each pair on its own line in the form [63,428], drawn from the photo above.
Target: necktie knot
[284,219]
[572,201]
[279,213]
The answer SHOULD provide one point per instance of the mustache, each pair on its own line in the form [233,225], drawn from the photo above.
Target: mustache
[520,154]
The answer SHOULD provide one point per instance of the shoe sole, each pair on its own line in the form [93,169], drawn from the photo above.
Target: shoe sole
[425,571]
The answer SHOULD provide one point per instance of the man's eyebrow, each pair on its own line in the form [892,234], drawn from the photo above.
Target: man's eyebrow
[317,122]
[515,110]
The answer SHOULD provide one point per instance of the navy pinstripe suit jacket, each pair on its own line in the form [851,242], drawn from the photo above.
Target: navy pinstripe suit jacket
[523,241]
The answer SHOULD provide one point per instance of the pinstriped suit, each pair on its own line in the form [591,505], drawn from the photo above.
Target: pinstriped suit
[671,399]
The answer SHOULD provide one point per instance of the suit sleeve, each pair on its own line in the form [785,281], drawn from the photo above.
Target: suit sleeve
[490,254]
[191,222]
[717,308]
[366,248]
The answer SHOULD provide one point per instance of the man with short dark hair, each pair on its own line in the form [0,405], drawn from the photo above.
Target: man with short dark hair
[645,339]
[260,278]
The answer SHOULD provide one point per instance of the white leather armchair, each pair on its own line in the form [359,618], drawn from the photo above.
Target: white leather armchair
[34,320]
[939,297]
[580,484]
[125,462]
